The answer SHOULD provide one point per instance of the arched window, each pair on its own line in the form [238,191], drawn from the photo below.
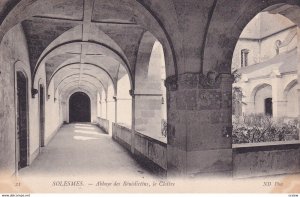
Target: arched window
[244,57]
[268,107]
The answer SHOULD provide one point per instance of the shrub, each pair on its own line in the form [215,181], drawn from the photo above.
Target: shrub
[164,126]
[260,128]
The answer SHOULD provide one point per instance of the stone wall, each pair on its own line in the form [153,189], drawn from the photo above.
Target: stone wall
[259,99]
[122,135]
[269,158]
[151,149]
[14,57]
[148,114]
[12,50]
[151,152]
[52,122]
[103,124]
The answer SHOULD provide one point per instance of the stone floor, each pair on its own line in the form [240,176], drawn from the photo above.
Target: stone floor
[81,152]
[81,158]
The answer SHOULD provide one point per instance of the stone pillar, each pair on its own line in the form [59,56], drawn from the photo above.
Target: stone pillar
[110,112]
[94,108]
[279,108]
[116,109]
[249,105]
[148,113]
[100,113]
[199,124]
[106,109]
[249,108]
[131,92]
[278,102]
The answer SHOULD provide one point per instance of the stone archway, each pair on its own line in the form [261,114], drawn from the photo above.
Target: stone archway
[79,108]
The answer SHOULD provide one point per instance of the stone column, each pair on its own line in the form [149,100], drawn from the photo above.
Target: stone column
[116,108]
[148,113]
[100,113]
[106,105]
[199,124]
[278,102]
[110,112]
[249,108]
[131,92]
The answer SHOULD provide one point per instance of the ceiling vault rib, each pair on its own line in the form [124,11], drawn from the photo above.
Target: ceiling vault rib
[80,22]
[86,29]
[125,61]
[88,82]
[82,60]
[57,87]
[108,74]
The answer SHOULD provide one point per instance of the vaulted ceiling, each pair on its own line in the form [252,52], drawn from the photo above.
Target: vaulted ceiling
[90,42]
[197,36]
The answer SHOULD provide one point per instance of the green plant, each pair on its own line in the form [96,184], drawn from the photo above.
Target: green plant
[261,128]
[164,126]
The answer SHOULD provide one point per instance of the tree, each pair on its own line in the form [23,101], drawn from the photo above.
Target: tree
[237,95]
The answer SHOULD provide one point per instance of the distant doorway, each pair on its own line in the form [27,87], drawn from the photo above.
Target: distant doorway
[22,120]
[42,116]
[79,108]
[268,107]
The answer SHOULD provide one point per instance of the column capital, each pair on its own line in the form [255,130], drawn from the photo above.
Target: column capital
[275,74]
[134,93]
[214,80]
[131,92]
[210,80]
[171,83]
[34,92]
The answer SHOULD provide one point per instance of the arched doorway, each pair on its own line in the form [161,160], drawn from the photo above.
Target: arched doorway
[79,108]
[268,107]
[22,120]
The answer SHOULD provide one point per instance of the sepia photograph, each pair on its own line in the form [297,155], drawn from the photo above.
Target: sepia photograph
[149,96]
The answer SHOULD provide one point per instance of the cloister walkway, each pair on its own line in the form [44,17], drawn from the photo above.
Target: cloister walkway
[81,152]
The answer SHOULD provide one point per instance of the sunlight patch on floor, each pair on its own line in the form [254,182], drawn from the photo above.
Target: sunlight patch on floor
[85,138]
[88,132]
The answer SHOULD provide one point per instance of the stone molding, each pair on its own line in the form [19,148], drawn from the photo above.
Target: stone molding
[212,80]
[34,92]
[171,83]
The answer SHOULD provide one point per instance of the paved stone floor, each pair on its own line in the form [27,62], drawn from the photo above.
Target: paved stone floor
[81,152]
[81,158]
